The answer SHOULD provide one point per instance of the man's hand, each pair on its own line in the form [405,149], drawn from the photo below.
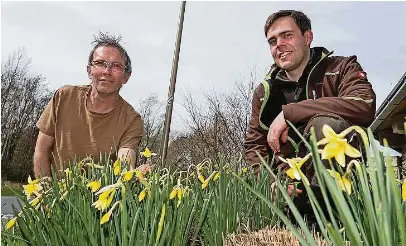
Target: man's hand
[291,188]
[277,131]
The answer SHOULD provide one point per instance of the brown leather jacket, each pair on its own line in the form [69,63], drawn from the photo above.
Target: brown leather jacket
[329,84]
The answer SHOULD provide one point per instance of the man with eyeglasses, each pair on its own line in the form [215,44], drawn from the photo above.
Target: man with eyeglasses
[90,120]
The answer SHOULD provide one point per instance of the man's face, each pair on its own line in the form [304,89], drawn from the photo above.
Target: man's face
[107,70]
[287,43]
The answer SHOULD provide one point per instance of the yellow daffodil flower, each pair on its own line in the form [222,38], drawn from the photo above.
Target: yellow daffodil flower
[343,182]
[107,216]
[128,175]
[200,177]
[295,164]
[147,153]
[35,201]
[142,194]
[404,190]
[117,167]
[336,146]
[94,185]
[177,192]
[105,199]
[11,223]
[173,193]
[206,182]
[217,176]
[33,187]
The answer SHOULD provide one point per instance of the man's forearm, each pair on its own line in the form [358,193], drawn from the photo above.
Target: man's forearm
[42,164]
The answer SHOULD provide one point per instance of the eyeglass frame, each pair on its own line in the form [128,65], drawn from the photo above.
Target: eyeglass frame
[104,64]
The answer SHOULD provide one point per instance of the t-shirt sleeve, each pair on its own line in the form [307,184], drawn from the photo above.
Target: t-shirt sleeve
[46,122]
[132,136]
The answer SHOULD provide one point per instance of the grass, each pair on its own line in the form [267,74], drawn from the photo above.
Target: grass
[9,188]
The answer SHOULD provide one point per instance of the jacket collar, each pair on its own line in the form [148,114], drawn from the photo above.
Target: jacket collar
[316,54]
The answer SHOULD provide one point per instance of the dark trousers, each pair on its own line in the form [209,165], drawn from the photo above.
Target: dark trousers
[301,201]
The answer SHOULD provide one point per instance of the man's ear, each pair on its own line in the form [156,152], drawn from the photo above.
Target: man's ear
[88,72]
[308,37]
[127,76]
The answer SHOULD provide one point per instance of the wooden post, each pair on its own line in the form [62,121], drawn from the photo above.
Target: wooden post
[171,94]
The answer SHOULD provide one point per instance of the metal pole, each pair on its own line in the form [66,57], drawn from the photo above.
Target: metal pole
[171,95]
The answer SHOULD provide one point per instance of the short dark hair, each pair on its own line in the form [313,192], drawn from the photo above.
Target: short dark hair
[301,20]
[106,39]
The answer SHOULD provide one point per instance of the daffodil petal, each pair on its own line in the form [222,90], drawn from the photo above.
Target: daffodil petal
[217,176]
[147,153]
[173,194]
[128,175]
[347,185]
[351,151]
[328,132]
[296,174]
[11,223]
[141,196]
[340,158]
[201,178]
[404,190]
[180,193]
[117,167]
[205,183]
[290,173]
[330,150]
[105,218]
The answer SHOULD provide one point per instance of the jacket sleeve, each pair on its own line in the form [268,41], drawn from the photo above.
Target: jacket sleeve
[255,139]
[355,102]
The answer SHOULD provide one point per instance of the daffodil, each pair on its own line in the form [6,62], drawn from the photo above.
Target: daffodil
[295,164]
[336,146]
[142,194]
[117,167]
[94,185]
[128,175]
[33,187]
[404,190]
[35,201]
[105,199]
[217,176]
[200,177]
[343,182]
[106,217]
[11,223]
[177,192]
[173,193]
[147,153]
[206,181]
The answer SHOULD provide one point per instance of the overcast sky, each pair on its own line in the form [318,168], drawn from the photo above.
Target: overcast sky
[222,41]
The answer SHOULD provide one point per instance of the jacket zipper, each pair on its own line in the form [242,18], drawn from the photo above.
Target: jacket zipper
[308,78]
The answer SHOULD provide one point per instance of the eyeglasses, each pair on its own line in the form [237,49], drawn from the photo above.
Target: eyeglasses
[114,66]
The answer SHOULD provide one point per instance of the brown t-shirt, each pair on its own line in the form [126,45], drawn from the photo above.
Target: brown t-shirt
[79,133]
